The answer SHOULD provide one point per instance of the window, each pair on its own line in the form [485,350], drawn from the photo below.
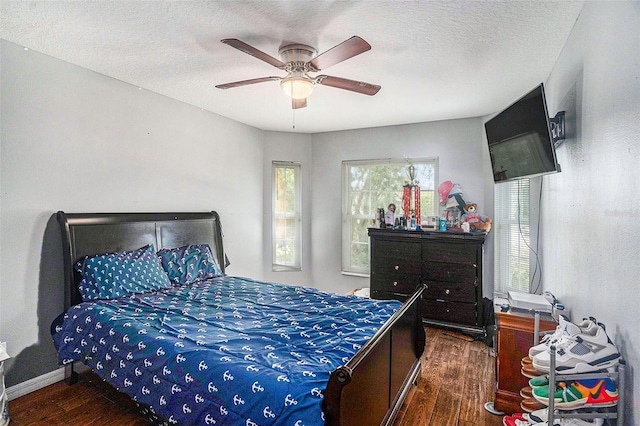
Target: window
[286,217]
[511,236]
[369,185]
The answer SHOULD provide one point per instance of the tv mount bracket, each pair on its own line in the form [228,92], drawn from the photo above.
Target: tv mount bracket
[557,128]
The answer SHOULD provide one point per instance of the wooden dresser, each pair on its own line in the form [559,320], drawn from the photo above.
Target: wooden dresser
[514,338]
[449,264]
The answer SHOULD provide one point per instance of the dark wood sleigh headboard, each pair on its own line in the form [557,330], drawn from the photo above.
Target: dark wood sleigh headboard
[95,233]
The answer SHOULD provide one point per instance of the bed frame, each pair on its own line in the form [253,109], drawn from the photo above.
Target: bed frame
[368,390]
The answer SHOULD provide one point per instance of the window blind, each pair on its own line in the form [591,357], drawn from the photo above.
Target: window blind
[511,236]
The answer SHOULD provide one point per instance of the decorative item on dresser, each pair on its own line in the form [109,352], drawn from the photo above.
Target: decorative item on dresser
[448,263]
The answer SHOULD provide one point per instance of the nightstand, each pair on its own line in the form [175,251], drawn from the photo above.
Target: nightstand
[515,335]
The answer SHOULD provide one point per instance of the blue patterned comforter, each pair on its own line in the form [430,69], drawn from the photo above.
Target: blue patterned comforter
[226,351]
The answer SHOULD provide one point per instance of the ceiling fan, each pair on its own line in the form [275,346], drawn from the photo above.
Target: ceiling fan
[298,60]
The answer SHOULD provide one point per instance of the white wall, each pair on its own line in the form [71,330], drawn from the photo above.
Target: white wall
[295,147]
[78,141]
[459,146]
[590,211]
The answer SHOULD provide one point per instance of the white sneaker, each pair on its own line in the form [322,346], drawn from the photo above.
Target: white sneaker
[574,422]
[564,328]
[538,416]
[580,353]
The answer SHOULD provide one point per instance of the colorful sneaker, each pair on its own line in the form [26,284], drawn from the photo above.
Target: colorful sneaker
[580,353]
[564,328]
[538,381]
[593,393]
[543,381]
[514,421]
[519,416]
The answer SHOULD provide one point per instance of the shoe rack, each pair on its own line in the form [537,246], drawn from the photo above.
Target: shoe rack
[617,374]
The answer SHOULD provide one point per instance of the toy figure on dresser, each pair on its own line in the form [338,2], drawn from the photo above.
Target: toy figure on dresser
[389,216]
[475,220]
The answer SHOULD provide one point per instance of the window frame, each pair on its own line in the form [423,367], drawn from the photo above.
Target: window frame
[346,267]
[277,266]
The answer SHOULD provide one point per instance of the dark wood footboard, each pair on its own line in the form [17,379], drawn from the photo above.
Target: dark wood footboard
[371,387]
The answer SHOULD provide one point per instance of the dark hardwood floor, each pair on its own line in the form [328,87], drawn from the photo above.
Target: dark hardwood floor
[457,378]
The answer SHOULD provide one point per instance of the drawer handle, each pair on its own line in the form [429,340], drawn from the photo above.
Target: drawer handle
[396,267]
[447,291]
[395,283]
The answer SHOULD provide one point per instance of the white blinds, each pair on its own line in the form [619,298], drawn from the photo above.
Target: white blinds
[511,236]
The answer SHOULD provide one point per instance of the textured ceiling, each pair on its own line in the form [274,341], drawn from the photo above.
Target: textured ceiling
[435,60]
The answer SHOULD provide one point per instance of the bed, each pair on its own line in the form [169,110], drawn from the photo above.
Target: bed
[219,349]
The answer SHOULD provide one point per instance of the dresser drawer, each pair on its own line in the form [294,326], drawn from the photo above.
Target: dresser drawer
[450,292]
[395,283]
[396,250]
[460,313]
[450,253]
[396,267]
[449,272]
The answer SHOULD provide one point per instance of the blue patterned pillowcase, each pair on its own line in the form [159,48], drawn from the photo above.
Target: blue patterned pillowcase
[188,264]
[112,275]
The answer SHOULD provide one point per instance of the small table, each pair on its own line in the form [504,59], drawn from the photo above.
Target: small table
[514,338]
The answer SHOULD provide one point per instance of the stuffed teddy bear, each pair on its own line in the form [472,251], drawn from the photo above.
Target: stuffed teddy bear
[474,219]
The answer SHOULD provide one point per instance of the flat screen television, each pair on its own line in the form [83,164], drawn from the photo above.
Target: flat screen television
[520,141]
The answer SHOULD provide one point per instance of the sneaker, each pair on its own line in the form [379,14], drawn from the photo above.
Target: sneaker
[526,392]
[529,405]
[574,422]
[529,371]
[538,381]
[538,416]
[593,393]
[514,421]
[519,416]
[580,353]
[564,328]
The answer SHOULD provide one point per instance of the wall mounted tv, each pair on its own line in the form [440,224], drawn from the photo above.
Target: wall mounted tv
[520,139]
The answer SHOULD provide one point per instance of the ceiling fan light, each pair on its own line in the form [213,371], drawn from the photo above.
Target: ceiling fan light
[297,88]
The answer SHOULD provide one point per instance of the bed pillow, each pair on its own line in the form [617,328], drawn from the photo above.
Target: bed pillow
[188,264]
[112,275]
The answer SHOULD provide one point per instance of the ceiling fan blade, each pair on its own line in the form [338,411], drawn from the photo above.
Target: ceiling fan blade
[343,83]
[345,50]
[246,82]
[250,50]
[298,103]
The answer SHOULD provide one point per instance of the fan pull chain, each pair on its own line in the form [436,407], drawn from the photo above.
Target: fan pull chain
[293,111]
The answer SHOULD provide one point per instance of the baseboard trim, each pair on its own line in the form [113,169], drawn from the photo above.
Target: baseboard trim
[34,384]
